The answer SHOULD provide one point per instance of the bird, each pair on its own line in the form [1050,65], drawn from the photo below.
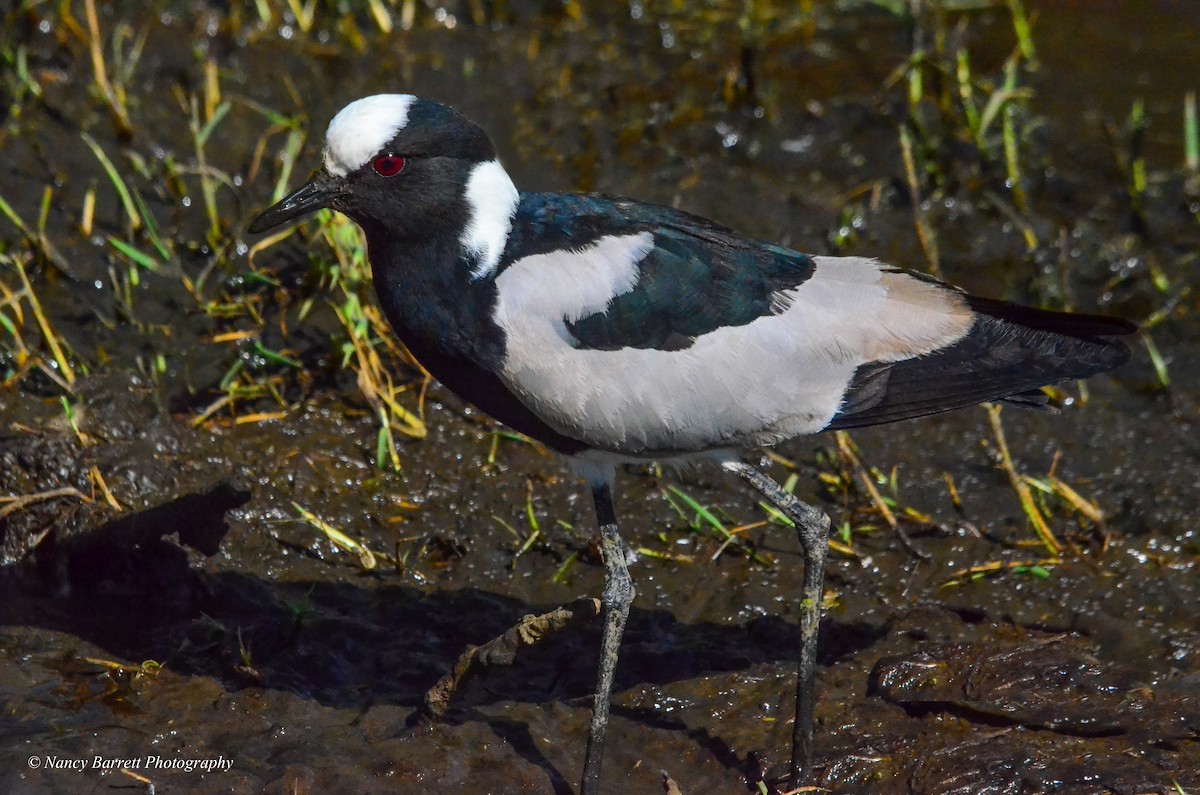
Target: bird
[613,331]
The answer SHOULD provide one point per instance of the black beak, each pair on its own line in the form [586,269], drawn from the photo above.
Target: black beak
[320,191]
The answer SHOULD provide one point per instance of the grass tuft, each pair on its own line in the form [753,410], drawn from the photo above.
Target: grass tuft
[1021,486]
[12,317]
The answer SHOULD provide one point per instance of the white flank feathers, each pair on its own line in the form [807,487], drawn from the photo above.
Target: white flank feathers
[780,376]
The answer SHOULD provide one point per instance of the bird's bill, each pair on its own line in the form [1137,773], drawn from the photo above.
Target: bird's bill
[318,192]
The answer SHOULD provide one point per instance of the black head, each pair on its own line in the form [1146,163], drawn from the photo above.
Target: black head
[402,167]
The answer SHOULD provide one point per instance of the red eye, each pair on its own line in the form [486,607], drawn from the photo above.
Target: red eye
[388,165]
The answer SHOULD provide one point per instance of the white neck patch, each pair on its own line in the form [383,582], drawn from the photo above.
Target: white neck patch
[360,130]
[491,200]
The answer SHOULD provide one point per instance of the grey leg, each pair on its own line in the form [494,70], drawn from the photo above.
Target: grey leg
[615,601]
[812,526]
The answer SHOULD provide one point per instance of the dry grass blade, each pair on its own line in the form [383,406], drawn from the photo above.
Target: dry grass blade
[113,98]
[98,482]
[12,320]
[211,409]
[52,341]
[1020,486]
[304,13]
[381,15]
[37,239]
[1157,360]
[1039,568]
[846,449]
[952,489]
[268,241]
[1090,510]
[260,416]
[848,453]
[1085,507]
[377,385]
[139,778]
[339,539]
[925,233]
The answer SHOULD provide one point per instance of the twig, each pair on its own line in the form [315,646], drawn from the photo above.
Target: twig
[502,650]
[25,500]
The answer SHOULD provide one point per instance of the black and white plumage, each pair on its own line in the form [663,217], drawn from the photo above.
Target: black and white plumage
[612,330]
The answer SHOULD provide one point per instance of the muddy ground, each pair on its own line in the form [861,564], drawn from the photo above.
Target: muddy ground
[171,395]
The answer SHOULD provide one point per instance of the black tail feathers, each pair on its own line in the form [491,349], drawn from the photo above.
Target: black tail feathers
[1010,351]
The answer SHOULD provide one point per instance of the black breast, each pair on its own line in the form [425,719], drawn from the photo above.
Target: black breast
[444,318]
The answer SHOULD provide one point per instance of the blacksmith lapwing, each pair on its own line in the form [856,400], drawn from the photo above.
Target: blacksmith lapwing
[612,331]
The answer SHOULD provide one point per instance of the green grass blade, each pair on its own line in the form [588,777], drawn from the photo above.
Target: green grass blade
[139,258]
[211,124]
[701,513]
[291,151]
[275,357]
[1191,133]
[118,184]
[160,245]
